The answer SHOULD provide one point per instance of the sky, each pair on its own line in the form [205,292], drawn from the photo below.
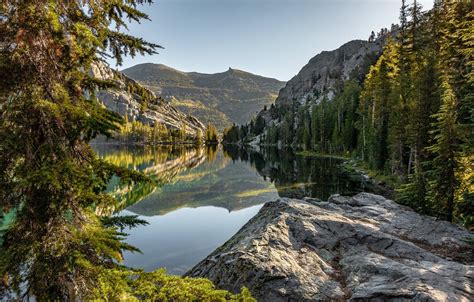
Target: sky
[273,38]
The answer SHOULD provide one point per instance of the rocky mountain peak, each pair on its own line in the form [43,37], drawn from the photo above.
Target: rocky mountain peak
[324,73]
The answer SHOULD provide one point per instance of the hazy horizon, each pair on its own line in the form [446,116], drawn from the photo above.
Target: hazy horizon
[271,38]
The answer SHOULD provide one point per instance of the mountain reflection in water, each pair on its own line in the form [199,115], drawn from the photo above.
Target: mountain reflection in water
[205,195]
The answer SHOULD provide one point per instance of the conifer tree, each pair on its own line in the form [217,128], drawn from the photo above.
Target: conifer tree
[48,115]
[199,140]
[211,135]
[446,146]
[450,180]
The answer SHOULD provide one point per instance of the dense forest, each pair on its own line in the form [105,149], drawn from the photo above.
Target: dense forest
[56,246]
[411,117]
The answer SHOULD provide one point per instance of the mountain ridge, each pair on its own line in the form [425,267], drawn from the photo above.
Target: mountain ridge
[167,67]
[323,78]
[231,96]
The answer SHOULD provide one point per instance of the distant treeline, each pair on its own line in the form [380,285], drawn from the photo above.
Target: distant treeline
[136,132]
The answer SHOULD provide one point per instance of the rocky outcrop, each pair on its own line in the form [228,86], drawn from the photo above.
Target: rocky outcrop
[129,104]
[324,74]
[349,248]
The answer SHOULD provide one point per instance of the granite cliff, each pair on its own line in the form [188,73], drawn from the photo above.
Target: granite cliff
[323,78]
[325,73]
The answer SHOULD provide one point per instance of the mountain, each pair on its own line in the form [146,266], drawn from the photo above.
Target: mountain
[324,78]
[233,96]
[322,81]
[138,103]
[325,73]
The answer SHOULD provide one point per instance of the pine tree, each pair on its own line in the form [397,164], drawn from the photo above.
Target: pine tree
[199,140]
[452,147]
[211,135]
[49,114]
[446,146]
[372,37]
[405,63]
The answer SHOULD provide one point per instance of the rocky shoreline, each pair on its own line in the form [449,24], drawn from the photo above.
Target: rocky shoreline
[364,247]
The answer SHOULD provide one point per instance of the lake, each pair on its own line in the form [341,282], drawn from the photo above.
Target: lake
[204,196]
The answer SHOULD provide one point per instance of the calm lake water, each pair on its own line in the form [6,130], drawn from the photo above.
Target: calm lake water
[206,195]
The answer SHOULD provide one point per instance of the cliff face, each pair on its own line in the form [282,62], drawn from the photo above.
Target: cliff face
[361,248]
[129,104]
[221,98]
[325,73]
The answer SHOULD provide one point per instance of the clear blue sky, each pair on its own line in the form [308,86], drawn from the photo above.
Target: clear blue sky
[273,38]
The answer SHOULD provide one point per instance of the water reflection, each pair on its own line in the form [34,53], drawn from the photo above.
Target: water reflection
[297,176]
[205,195]
[162,164]
[218,182]
[182,238]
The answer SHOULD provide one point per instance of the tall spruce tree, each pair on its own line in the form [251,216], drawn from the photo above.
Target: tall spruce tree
[451,174]
[49,113]
[423,103]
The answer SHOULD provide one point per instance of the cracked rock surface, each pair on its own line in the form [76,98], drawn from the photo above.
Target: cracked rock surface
[364,247]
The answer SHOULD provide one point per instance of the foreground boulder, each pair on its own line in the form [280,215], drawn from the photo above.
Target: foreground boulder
[349,248]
